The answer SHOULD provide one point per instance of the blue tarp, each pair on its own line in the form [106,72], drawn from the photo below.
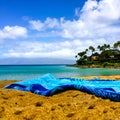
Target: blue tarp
[48,85]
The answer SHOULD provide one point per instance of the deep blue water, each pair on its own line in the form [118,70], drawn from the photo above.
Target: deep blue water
[30,71]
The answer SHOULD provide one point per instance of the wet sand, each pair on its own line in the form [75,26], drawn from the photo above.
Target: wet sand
[68,105]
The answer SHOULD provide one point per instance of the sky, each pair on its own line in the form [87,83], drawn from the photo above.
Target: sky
[56,28]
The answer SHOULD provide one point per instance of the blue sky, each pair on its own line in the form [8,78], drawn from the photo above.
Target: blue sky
[56,28]
[13,11]
[38,8]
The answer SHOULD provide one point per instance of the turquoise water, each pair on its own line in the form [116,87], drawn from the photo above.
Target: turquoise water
[27,72]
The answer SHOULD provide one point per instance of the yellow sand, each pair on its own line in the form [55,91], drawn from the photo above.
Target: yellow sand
[69,105]
[115,77]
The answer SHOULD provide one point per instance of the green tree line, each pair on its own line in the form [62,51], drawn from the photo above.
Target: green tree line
[103,53]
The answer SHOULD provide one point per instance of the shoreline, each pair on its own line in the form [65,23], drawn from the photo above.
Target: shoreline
[94,66]
[66,105]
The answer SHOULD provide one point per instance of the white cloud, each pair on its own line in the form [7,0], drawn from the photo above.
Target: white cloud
[97,23]
[12,32]
[62,49]
[96,19]
[104,11]
[52,23]
[74,29]
[36,25]
[49,23]
[77,12]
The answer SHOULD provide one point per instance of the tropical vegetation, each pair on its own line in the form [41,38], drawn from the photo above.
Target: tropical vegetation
[104,55]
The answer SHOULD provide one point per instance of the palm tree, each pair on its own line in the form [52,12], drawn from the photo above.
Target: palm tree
[82,59]
[103,47]
[117,44]
[86,50]
[92,49]
[99,48]
[76,56]
[105,52]
[82,54]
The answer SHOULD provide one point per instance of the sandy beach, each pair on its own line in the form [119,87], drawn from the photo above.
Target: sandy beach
[68,105]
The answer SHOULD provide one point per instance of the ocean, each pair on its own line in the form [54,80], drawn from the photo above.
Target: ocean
[22,72]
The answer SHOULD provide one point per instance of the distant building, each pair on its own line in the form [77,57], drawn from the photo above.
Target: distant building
[94,56]
[115,54]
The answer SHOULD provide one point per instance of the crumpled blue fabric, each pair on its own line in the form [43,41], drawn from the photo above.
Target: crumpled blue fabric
[48,85]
